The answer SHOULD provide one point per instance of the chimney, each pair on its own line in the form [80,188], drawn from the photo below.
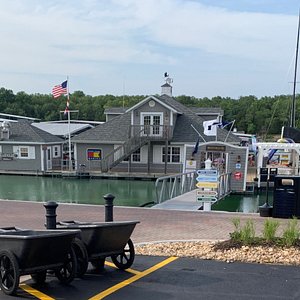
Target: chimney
[166,89]
[4,131]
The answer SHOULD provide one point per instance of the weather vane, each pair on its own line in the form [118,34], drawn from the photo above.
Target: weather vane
[167,78]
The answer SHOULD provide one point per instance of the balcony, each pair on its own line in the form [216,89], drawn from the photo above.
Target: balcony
[152,132]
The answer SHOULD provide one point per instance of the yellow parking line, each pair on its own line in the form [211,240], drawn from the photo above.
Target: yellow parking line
[34,292]
[108,263]
[132,279]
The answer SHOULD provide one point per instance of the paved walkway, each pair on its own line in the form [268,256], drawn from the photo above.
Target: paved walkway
[155,224]
[186,201]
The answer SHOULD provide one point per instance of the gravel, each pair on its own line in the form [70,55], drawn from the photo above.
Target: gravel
[223,251]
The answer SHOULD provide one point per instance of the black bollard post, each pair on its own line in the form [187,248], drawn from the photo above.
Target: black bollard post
[109,199]
[266,210]
[51,214]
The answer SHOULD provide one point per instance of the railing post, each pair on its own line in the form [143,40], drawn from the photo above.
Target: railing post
[109,198]
[51,214]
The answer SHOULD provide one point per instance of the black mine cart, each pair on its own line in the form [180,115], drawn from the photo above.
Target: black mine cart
[101,240]
[33,252]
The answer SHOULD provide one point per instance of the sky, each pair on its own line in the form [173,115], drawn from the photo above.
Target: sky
[227,48]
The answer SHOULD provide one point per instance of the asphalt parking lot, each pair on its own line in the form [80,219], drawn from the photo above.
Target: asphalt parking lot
[172,278]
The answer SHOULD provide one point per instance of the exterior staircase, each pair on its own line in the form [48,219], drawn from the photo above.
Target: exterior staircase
[122,152]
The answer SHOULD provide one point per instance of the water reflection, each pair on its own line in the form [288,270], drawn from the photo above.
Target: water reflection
[243,203]
[88,191]
[91,191]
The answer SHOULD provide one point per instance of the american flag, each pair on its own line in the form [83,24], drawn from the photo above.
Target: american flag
[60,89]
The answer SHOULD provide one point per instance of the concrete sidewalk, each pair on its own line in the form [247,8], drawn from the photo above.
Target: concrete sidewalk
[155,224]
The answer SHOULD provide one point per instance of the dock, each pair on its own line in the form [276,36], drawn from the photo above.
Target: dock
[186,202]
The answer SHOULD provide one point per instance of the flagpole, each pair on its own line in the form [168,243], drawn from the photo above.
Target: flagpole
[198,133]
[69,130]
[229,131]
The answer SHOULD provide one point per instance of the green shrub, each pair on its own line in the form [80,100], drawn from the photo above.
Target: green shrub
[236,234]
[270,228]
[291,234]
[248,233]
[245,234]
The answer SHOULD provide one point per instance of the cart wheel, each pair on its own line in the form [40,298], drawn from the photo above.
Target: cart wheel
[68,271]
[98,264]
[81,256]
[39,277]
[125,259]
[9,272]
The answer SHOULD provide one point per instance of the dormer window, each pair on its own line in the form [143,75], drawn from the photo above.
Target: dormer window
[152,123]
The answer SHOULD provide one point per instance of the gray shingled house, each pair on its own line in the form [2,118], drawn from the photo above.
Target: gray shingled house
[25,148]
[156,136]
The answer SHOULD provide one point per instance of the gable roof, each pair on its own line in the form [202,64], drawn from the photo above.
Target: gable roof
[208,110]
[117,129]
[115,110]
[155,98]
[183,131]
[23,132]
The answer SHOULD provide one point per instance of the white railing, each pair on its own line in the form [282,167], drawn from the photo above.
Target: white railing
[168,187]
[224,188]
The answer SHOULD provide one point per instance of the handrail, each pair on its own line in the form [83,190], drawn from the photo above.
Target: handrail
[168,187]
[224,188]
[123,151]
[153,132]
[139,135]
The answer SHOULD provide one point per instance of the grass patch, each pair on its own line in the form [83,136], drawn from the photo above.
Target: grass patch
[245,235]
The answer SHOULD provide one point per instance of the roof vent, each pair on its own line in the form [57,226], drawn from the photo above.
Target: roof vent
[166,89]
[4,131]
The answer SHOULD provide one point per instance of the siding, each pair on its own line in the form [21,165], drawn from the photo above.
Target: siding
[21,164]
[234,154]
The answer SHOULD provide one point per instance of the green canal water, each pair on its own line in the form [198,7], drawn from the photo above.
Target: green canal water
[91,191]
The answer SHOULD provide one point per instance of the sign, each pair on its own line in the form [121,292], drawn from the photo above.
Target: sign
[94,154]
[207,172]
[8,156]
[212,185]
[190,165]
[237,175]
[206,193]
[206,199]
[207,178]
[216,148]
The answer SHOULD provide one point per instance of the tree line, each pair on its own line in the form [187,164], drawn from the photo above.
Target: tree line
[262,116]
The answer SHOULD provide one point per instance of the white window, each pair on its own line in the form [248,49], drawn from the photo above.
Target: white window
[173,154]
[56,151]
[152,123]
[135,156]
[24,152]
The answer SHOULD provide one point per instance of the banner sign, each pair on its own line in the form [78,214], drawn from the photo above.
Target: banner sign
[94,154]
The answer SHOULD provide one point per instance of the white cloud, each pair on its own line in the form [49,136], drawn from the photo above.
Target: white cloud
[81,38]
